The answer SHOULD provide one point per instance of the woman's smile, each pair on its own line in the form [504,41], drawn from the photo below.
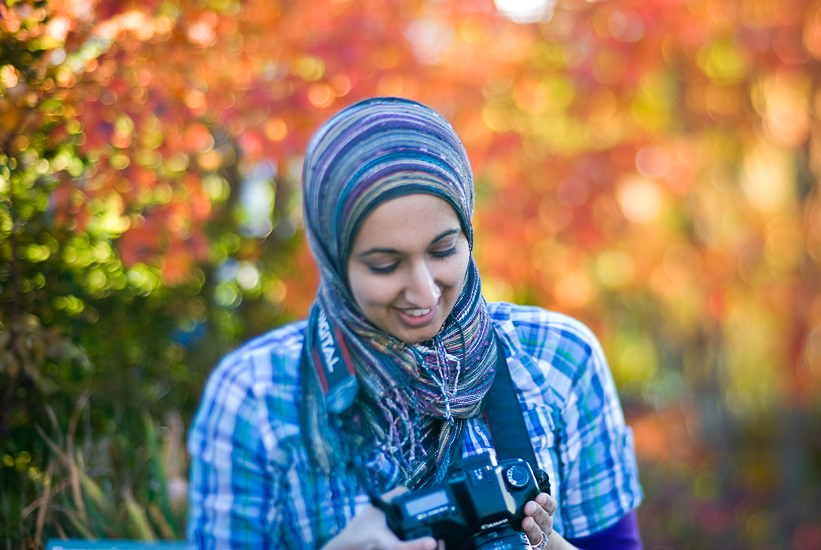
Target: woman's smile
[416,313]
[416,318]
[407,266]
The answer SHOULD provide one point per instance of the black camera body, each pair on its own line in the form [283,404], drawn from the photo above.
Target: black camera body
[480,505]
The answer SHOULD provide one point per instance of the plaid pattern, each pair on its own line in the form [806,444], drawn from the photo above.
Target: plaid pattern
[252,485]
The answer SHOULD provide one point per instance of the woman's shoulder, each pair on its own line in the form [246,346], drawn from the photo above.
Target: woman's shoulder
[271,359]
[283,343]
[560,354]
[256,384]
[250,402]
[532,325]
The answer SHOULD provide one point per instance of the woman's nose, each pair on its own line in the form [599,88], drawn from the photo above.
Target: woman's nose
[422,290]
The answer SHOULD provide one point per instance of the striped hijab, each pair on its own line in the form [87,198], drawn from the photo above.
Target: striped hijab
[413,399]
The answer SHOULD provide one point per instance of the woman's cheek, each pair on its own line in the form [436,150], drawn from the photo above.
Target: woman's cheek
[378,290]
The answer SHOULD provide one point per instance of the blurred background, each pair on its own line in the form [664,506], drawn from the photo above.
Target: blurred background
[648,166]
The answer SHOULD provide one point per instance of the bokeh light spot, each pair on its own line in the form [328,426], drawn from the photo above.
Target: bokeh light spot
[640,199]
[615,268]
[9,76]
[653,161]
[635,359]
[341,84]
[320,95]
[429,39]
[626,26]
[786,99]
[768,177]
[573,289]
[525,11]
[310,68]
[723,62]
[785,247]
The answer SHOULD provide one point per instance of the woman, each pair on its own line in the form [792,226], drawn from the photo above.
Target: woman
[399,314]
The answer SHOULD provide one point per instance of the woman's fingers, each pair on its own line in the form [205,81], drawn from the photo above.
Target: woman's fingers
[385,539]
[368,530]
[538,522]
[547,502]
[425,543]
[533,531]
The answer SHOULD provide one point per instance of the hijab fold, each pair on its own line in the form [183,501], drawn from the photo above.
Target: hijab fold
[413,399]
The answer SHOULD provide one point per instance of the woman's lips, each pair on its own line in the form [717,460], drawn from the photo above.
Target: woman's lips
[417,317]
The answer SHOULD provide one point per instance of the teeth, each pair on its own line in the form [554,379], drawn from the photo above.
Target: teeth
[416,312]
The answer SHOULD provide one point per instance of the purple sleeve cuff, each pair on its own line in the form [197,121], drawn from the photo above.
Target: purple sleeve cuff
[624,535]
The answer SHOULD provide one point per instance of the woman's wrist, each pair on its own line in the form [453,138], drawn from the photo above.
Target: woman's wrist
[558,542]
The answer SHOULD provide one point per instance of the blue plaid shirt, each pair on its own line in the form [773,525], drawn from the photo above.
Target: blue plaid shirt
[252,485]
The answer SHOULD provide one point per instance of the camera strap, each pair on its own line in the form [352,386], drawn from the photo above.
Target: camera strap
[506,421]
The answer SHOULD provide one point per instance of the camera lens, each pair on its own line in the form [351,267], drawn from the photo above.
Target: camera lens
[504,538]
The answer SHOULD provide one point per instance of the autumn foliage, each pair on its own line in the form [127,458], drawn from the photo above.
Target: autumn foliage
[649,166]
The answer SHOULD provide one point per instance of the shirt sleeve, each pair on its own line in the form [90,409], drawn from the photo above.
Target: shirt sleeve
[624,535]
[598,463]
[234,479]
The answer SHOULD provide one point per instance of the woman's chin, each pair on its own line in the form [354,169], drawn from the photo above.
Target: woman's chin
[415,335]
[418,337]
[413,329]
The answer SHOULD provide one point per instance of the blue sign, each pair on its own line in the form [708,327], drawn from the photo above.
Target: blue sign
[79,544]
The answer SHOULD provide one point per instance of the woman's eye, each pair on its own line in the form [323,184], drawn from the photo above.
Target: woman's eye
[443,253]
[382,270]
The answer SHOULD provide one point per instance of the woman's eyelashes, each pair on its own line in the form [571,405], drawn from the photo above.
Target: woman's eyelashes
[383,270]
[444,253]
[390,268]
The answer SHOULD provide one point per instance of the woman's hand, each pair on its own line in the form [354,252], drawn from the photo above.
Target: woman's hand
[368,530]
[538,522]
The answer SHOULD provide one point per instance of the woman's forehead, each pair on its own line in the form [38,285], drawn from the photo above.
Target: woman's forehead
[406,222]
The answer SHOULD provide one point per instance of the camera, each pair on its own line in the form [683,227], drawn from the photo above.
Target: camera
[479,505]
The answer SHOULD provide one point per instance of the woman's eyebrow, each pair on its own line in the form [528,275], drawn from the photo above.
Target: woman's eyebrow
[442,235]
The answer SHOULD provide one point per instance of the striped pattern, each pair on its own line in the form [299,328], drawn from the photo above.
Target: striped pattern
[252,484]
[369,153]
[413,399]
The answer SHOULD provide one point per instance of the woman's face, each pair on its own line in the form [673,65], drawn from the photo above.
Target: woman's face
[407,266]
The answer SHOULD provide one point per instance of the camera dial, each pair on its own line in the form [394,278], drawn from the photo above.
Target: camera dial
[517,477]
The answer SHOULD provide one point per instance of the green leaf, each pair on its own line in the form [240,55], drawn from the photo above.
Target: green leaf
[139,520]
